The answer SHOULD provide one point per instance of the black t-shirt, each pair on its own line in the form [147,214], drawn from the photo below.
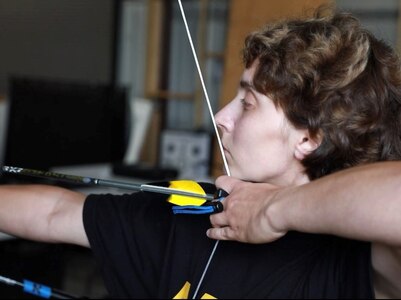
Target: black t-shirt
[145,251]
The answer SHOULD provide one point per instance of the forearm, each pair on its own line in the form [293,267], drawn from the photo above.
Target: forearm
[28,211]
[362,203]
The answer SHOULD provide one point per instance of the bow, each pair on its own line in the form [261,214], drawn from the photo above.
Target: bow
[38,289]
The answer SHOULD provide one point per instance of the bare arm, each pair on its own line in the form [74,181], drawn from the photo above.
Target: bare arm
[361,203]
[42,213]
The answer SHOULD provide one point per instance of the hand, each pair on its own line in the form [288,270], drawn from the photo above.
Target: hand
[247,211]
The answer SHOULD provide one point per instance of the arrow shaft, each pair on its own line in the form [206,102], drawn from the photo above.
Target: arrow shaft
[104,182]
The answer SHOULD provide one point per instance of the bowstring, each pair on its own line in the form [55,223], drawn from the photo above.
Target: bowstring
[204,88]
[216,132]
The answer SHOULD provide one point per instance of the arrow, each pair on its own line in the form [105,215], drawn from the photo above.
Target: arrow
[105,183]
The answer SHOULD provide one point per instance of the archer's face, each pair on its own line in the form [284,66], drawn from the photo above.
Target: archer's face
[258,141]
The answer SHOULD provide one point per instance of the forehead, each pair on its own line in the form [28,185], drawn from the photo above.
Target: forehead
[247,76]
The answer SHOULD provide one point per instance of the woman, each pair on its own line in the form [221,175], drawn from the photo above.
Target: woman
[317,97]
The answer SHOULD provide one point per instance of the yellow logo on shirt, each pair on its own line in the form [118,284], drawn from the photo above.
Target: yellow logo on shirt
[184,293]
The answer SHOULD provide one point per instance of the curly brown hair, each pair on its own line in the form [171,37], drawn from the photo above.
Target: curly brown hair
[333,77]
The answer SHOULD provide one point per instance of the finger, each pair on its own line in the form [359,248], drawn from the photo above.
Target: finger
[221,233]
[218,220]
[226,183]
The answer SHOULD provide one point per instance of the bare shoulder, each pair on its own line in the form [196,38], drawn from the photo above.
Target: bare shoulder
[386,262]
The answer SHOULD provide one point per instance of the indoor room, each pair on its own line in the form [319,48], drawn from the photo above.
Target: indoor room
[113,90]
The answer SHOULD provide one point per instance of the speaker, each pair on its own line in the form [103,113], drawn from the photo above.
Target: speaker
[187,151]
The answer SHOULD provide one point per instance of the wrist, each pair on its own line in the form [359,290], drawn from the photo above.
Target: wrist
[276,212]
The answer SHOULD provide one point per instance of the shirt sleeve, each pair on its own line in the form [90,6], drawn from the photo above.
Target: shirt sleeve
[128,235]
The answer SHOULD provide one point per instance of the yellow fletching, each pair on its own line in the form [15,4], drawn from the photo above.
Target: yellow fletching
[186,185]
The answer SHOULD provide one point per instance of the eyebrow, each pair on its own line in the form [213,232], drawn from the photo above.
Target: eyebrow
[246,85]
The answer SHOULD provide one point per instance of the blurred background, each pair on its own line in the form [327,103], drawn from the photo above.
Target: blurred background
[109,88]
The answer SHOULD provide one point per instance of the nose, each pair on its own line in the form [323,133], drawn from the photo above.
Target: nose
[225,118]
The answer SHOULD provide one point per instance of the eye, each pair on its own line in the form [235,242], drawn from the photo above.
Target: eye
[245,104]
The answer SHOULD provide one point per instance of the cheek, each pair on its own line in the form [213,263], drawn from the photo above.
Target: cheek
[251,144]
[258,133]
[246,135]
[261,151]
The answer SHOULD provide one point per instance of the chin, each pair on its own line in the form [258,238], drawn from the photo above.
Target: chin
[239,175]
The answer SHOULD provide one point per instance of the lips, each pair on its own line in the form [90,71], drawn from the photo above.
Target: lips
[226,150]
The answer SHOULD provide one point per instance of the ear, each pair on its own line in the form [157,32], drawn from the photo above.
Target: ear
[306,144]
